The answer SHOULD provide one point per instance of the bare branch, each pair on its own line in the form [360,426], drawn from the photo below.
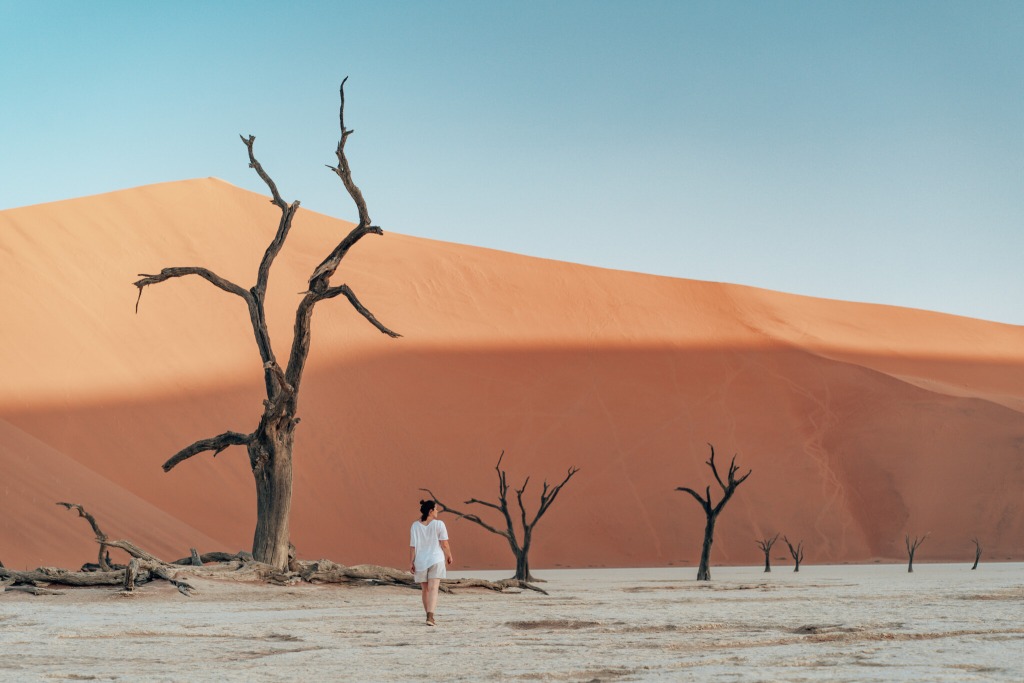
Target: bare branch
[912,545]
[470,517]
[343,170]
[714,470]
[483,502]
[363,311]
[100,536]
[767,543]
[706,504]
[254,164]
[546,498]
[215,444]
[325,270]
[522,509]
[208,275]
[284,226]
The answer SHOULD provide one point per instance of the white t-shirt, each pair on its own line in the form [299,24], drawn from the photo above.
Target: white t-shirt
[426,538]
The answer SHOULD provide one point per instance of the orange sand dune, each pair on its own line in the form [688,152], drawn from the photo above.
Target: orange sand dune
[861,422]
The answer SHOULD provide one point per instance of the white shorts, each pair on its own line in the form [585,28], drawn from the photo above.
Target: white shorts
[436,571]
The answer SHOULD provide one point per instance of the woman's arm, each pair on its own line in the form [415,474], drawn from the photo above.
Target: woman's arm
[447,551]
[412,559]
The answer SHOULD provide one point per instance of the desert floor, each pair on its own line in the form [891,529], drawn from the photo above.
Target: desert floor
[841,623]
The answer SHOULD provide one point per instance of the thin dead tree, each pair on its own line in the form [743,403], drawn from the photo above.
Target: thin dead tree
[912,548]
[712,511]
[765,544]
[270,444]
[977,552]
[520,546]
[797,552]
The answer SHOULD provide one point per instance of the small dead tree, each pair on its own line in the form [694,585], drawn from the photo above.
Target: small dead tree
[912,548]
[977,552]
[270,444]
[712,511]
[520,546]
[797,552]
[765,544]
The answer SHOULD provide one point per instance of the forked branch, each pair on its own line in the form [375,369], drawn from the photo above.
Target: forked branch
[728,486]
[346,291]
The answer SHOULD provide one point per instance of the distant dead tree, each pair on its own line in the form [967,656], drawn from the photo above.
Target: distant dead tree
[977,552]
[270,444]
[765,544]
[712,511]
[912,548]
[797,552]
[520,546]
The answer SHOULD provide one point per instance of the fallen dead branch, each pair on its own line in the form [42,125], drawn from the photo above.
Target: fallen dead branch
[145,567]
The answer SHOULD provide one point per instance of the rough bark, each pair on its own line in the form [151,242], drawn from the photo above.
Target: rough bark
[912,548]
[765,544]
[270,445]
[977,553]
[518,542]
[797,552]
[712,511]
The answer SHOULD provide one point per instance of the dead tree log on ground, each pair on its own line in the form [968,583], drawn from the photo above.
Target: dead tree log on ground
[520,546]
[241,555]
[325,571]
[797,552]
[912,548]
[977,552]
[712,511]
[765,544]
[270,444]
[238,567]
[9,585]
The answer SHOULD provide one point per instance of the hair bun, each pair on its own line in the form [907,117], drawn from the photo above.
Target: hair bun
[423,502]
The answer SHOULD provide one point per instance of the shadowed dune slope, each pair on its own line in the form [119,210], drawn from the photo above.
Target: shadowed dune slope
[861,422]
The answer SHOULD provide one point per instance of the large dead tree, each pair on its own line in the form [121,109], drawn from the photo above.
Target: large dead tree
[975,541]
[912,548]
[712,511]
[520,546]
[765,544]
[270,444]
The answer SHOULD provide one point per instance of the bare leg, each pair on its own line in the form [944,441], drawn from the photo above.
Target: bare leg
[425,594]
[431,595]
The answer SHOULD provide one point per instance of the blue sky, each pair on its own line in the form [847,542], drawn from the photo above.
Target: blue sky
[866,151]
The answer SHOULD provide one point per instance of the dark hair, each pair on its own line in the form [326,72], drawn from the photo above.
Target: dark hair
[425,507]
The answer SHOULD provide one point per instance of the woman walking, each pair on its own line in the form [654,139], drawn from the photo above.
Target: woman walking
[429,552]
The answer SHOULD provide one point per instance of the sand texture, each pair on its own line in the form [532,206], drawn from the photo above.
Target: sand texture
[861,422]
[840,623]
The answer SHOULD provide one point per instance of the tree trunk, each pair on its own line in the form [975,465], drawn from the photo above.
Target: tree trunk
[270,455]
[523,566]
[767,562]
[704,572]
